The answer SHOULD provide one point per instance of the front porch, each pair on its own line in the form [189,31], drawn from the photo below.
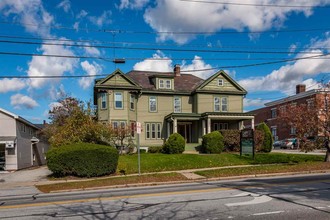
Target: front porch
[193,126]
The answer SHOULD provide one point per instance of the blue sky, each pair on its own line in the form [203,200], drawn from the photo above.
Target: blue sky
[202,37]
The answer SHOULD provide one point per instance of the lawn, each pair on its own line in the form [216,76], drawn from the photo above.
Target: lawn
[164,162]
[266,169]
[111,181]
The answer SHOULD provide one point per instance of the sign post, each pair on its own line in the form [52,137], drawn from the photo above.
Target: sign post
[247,142]
[138,132]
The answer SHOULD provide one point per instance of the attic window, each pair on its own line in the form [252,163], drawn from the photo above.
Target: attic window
[165,84]
[220,82]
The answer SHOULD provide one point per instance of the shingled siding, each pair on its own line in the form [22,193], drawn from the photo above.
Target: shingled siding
[206,102]
[213,85]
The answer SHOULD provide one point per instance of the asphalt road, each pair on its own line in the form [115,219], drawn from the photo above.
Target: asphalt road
[296,197]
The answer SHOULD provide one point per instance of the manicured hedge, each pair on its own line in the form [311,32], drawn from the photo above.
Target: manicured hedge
[83,160]
[231,139]
[212,143]
[267,143]
[155,149]
[174,145]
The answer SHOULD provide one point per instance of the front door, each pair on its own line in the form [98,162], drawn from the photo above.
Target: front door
[184,130]
[2,156]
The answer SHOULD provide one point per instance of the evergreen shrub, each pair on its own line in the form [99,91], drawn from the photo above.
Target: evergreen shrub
[83,160]
[212,143]
[174,145]
[267,143]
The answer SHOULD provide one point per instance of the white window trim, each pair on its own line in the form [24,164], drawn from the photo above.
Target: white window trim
[218,104]
[163,84]
[222,98]
[180,104]
[103,100]
[149,131]
[155,103]
[220,82]
[122,100]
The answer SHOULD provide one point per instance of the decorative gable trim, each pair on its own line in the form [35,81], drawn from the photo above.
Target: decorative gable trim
[117,71]
[227,77]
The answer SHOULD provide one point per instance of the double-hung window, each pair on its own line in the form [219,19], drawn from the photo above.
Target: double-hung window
[165,84]
[152,104]
[168,84]
[103,100]
[220,82]
[153,130]
[224,104]
[119,100]
[216,104]
[177,104]
[131,101]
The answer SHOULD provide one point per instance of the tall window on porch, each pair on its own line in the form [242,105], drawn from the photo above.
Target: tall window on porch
[152,104]
[177,104]
[153,130]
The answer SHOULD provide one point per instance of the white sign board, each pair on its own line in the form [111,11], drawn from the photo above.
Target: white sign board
[138,127]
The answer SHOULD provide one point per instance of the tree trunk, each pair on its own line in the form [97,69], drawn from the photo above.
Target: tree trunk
[327,155]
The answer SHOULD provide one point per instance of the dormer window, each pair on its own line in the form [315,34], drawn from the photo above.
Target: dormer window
[220,82]
[165,84]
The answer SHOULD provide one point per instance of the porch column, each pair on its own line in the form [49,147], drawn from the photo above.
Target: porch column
[240,125]
[252,123]
[208,125]
[203,127]
[168,129]
[175,126]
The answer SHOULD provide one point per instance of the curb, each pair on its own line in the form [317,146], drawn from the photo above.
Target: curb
[194,180]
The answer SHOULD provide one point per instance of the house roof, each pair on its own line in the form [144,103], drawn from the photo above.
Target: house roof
[19,118]
[225,75]
[296,97]
[182,83]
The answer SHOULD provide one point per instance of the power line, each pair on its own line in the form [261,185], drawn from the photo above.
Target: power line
[256,5]
[120,31]
[155,49]
[184,71]
[148,43]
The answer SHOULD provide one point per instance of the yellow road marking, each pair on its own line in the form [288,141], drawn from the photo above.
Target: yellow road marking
[112,198]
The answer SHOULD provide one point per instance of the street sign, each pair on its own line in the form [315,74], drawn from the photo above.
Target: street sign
[138,127]
[247,142]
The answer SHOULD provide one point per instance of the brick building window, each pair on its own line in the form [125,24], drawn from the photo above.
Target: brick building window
[273,113]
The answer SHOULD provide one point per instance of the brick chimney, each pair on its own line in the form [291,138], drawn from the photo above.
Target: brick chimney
[177,70]
[300,88]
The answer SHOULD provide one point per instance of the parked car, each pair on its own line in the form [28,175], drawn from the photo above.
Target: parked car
[278,143]
[290,143]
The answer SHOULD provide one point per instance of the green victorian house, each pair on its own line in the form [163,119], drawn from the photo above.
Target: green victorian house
[170,102]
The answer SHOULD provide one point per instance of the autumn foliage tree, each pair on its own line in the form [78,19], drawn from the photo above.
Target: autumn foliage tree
[310,121]
[73,122]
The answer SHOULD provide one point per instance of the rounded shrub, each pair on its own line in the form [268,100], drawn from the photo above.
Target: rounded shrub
[83,160]
[231,139]
[212,143]
[174,145]
[267,143]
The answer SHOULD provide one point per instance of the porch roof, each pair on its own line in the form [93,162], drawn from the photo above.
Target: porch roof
[184,116]
[213,115]
[228,115]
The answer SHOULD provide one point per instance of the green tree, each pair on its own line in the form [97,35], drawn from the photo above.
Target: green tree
[267,143]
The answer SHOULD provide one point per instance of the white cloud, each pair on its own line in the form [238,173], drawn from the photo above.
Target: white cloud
[30,13]
[56,92]
[91,50]
[9,85]
[292,49]
[170,16]
[65,5]
[102,20]
[286,77]
[50,66]
[161,63]
[20,101]
[91,69]
[254,102]
[133,4]
[157,65]
[198,64]
[82,14]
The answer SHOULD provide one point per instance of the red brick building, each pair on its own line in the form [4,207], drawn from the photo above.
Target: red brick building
[269,114]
